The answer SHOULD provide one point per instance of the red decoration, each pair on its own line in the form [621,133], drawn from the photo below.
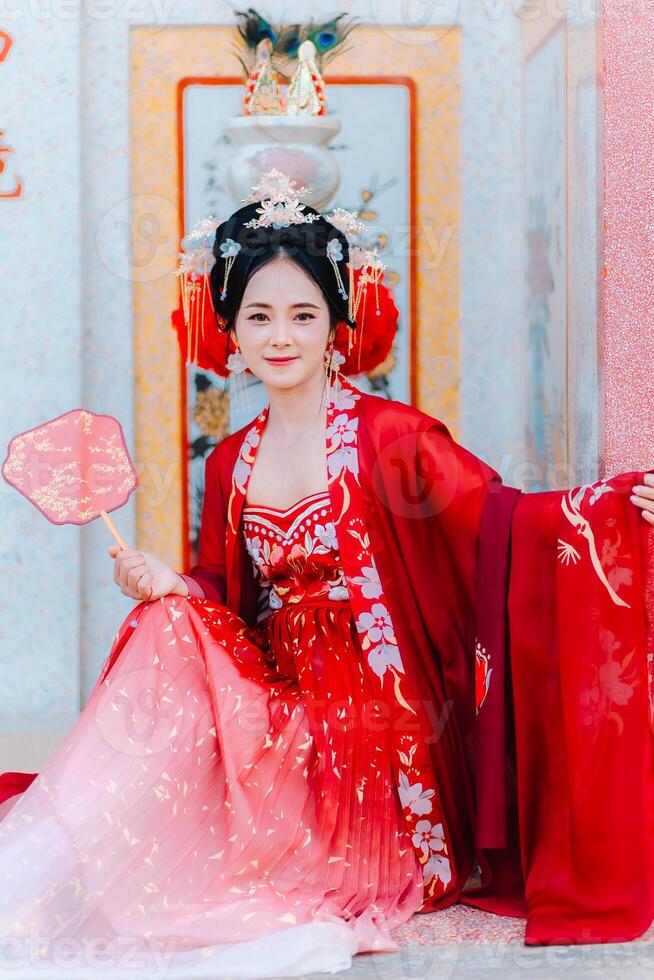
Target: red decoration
[374,334]
[213,346]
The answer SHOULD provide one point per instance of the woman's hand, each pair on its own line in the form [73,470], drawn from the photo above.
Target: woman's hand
[643,496]
[143,577]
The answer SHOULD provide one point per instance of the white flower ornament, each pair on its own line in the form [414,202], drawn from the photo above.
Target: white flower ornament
[230,250]
[335,250]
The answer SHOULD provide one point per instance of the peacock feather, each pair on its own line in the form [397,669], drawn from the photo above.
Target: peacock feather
[328,37]
[253,28]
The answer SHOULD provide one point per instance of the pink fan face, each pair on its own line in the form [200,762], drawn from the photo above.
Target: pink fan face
[72,467]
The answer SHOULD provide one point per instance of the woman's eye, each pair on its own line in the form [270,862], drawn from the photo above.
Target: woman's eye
[255,315]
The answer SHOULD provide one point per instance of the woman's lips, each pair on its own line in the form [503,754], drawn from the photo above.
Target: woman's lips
[279,360]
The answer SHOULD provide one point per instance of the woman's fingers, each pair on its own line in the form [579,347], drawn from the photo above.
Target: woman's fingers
[144,586]
[132,572]
[643,497]
[123,553]
[123,565]
[135,579]
[135,573]
[644,492]
[128,572]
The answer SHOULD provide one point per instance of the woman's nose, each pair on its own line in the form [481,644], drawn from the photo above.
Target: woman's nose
[281,331]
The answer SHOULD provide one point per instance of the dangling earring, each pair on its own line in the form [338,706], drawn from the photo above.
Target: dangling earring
[236,363]
[238,388]
[333,361]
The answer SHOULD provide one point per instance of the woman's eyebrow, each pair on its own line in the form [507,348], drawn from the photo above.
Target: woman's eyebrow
[268,306]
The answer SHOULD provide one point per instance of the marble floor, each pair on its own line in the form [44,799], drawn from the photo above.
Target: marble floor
[461,942]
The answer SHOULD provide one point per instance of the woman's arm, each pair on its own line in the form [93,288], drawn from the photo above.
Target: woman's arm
[207,579]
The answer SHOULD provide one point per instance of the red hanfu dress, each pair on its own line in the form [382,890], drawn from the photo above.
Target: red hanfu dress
[493,651]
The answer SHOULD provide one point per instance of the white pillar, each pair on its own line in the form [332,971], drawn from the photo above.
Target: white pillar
[40,335]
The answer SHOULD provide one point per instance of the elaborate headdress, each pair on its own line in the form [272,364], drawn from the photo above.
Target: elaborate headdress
[215,245]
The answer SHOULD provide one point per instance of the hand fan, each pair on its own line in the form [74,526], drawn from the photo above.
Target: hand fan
[73,468]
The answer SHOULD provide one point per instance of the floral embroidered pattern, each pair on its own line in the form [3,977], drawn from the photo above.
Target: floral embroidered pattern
[289,547]
[482,674]
[244,462]
[567,552]
[612,686]
[341,436]
[414,772]
[413,796]
[571,503]
[416,784]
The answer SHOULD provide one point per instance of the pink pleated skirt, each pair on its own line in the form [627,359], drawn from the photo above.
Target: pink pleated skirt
[225,800]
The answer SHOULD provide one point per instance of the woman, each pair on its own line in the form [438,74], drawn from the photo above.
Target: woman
[389,684]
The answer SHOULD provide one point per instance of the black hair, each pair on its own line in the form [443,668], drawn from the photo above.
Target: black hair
[304,244]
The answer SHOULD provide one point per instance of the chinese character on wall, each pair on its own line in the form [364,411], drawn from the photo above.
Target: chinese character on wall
[10,186]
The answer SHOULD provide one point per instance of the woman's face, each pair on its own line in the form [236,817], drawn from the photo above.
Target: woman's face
[282,326]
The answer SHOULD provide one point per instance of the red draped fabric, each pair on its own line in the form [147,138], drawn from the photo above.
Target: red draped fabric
[12,783]
[580,654]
